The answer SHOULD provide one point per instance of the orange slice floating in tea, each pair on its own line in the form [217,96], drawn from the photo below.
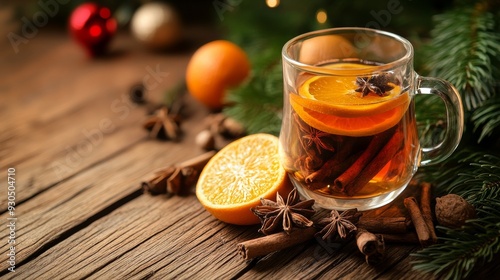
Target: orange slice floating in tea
[333,105]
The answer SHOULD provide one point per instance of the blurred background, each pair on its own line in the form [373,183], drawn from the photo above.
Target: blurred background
[457,40]
[340,12]
[282,19]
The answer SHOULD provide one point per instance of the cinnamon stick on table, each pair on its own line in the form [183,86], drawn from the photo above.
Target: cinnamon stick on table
[176,178]
[371,245]
[274,242]
[425,205]
[385,224]
[418,221]
[363,170]
[156,182]
[404,238]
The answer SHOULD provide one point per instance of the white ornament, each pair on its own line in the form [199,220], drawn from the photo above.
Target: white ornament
[156,25]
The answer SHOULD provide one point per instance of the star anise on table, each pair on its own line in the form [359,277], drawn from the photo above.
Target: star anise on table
[283,215]
[339,224]
[163,125]
[378,84]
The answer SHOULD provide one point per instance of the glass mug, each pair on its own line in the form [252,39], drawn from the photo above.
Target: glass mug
[349,135]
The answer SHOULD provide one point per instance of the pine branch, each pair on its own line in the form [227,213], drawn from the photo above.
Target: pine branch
[463,162]
[258,103]
[464,249]
[487,118]
[481,183]
[478,241]
[464,51]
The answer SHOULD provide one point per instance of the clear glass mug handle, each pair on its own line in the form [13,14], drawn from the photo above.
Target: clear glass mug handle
[454,117]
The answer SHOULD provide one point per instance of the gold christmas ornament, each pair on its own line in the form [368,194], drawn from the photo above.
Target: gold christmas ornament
[156,25]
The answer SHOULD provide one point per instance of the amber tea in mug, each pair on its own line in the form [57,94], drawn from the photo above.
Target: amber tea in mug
[349,135]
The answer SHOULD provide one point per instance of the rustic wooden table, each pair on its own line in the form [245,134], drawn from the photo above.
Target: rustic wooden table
[79,153]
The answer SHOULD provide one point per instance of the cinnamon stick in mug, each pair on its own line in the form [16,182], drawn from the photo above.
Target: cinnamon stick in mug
[332,168]
[375,145]
[352,184]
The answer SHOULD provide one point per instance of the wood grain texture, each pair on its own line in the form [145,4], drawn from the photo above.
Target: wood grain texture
[80,118]
[69,203]
[111,238]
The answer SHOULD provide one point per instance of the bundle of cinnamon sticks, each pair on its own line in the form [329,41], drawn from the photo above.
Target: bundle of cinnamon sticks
[347,164]
[381,149]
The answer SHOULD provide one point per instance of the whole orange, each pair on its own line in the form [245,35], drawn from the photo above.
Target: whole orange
[213,68]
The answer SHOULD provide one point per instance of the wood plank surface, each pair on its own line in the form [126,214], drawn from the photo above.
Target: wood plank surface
[80,151]
[47,140]
[69,203]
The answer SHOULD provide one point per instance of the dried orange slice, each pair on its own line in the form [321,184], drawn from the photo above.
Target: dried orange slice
[331,104]
[235,179]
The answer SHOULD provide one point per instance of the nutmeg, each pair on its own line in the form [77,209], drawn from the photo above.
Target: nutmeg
[453,210]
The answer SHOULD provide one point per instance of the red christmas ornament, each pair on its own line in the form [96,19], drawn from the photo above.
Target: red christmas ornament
[92,27]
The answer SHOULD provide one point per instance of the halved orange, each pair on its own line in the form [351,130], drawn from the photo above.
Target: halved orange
[331,104]
[235,179]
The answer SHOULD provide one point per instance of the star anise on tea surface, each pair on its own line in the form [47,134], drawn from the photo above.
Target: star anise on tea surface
[339,224]
[378,84]
[284,215]
[163,125]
